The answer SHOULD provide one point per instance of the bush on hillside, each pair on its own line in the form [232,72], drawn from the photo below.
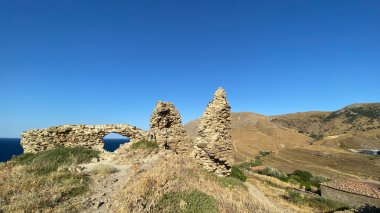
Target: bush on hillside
[236,172]
[304,179]
[317,180]
[274,173]
[303,175]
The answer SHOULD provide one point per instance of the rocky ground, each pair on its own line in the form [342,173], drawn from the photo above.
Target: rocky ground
[109,173]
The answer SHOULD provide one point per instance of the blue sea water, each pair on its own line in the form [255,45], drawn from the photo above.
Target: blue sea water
[112,144]
[11,147]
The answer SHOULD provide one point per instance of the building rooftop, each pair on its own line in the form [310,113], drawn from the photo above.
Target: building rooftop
[354,187]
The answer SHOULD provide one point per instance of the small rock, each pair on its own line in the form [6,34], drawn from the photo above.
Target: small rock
[202,145]
[94,160]
[98,204]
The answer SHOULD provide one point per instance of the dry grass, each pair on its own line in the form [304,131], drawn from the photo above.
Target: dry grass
[143,192]
[43,181]
[326,161]
[22,191]
[252,133]
[276,191]
[103,170]
[273,181]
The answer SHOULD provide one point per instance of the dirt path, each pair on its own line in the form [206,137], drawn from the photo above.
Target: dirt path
[104,186]
[233,143]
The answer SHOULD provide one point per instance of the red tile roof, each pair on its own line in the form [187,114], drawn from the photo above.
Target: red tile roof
[257,168]
[354,187]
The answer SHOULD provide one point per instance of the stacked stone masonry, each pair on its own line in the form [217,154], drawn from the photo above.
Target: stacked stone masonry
[166,126]
[212,149]
[90,136]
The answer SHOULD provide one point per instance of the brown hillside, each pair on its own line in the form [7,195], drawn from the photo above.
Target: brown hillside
[252,133]
[353,127]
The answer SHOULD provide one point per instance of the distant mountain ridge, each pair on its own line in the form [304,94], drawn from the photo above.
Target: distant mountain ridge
[352,118]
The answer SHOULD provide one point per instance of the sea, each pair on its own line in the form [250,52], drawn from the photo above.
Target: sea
[10,147]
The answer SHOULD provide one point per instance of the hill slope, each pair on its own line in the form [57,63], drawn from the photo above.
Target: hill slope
[252,133]
[354,126]
[314,141]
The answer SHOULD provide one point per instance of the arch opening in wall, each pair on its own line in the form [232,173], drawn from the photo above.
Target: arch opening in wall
[112,141]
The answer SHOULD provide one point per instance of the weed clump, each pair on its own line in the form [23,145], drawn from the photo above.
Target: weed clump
[144,144]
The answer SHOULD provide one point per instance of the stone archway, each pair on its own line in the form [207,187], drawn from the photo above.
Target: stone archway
[112,141]
[90,136]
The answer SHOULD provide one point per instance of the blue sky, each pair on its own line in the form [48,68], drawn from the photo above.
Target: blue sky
[94,62]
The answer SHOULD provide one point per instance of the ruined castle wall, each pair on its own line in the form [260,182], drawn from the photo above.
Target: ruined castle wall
[90,136]
[166,127]
[213,147]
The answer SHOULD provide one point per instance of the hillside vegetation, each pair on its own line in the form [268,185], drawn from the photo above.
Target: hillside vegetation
[354,120]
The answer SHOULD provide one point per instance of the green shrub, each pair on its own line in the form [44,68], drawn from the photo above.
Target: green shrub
[274,173]
[191,201]
[264,153]
[305,179]
[236,172]
[303,175]
[316,136]
[144,144]
[296,197]
[317,180]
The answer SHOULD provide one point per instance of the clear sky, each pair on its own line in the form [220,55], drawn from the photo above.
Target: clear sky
[95,62]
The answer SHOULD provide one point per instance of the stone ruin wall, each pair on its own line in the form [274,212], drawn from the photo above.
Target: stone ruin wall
[212,149]
[213,146]
[90,136]
[166,128]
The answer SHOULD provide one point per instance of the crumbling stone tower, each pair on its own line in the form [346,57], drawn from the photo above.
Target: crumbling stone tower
[166,126]
[213,147]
